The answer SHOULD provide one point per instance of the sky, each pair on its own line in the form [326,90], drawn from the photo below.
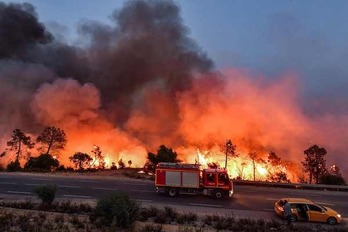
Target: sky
[269,37]
[292,55]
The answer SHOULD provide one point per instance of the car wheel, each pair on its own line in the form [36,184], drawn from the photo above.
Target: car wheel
[172,192]
[293,218]
[218,194]
[331,221]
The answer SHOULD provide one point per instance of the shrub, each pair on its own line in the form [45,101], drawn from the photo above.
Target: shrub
[152,211]
[170,212]
[14,166]
[44,163]
[190,229]
[332,180]
[61,168]
[151,228]
[116,210]
[2,169]
[46,193]
[186,218]
[160,218]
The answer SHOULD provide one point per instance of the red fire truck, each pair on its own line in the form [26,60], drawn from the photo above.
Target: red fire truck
[181,178]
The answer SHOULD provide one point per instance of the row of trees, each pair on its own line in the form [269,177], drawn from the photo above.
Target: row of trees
[314,164]
[53,139]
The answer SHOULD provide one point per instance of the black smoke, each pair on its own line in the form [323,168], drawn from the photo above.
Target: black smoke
[147,45]
[19,30]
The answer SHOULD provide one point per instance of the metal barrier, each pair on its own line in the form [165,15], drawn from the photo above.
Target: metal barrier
[343,188]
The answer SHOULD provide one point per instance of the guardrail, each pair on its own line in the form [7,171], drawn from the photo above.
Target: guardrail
[343,188]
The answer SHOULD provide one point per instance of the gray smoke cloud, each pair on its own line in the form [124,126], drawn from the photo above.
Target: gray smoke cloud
[142,82]
[147,43]
[147,48]
[19,30]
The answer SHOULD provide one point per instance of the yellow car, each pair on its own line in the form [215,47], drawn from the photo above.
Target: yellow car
[307,210]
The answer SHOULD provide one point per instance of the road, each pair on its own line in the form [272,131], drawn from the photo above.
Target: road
[246,200]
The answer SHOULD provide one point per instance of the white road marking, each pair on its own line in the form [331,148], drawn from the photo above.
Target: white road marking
[143,200]
[68,186]
[41,179]
[142,191]
[11,183]
[133,184]
[205,205]
[17,192]
[305,194]
[77,196]
[272,199]
[33,184]
[87,181]
[111,189]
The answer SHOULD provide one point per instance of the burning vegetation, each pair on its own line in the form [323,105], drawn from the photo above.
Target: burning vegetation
[142,82]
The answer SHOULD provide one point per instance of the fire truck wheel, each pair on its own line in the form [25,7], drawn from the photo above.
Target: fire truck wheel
[218,194]
[172,192]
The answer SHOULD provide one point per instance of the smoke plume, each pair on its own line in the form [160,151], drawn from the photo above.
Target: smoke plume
[143,82]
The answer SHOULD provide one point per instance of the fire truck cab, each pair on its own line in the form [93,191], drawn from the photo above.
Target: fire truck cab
[181,178]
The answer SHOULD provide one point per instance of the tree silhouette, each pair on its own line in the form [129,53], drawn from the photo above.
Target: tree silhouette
[230,150]
[276,172]
[314,162]
[18,141]
[53,138]
[273,159]
[121,164]
[164,154]
[213,165]
[253,156]
[98,157]
[81,160]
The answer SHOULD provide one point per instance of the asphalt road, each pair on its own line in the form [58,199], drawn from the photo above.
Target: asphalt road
[245,201]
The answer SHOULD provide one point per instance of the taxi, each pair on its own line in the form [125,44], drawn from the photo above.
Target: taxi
[306,210]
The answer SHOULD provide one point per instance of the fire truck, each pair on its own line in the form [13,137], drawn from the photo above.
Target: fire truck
[182,178]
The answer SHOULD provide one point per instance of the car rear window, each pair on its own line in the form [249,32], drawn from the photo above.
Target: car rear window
[314,208]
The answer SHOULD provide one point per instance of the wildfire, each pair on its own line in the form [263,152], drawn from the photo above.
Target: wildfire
[262,171]
[240,167]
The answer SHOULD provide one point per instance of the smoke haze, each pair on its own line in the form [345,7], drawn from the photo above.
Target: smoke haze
[143,82]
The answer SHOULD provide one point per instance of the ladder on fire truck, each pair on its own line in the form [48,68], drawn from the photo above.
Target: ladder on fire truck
[177,165]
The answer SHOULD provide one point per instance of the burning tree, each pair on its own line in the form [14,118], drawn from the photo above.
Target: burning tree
[99,159]
[254,156]
[230,150]
[18,141]
[53,138]
[240,171]
[314,162]
[276,172]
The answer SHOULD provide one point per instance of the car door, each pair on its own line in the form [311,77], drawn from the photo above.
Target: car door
[316,213]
